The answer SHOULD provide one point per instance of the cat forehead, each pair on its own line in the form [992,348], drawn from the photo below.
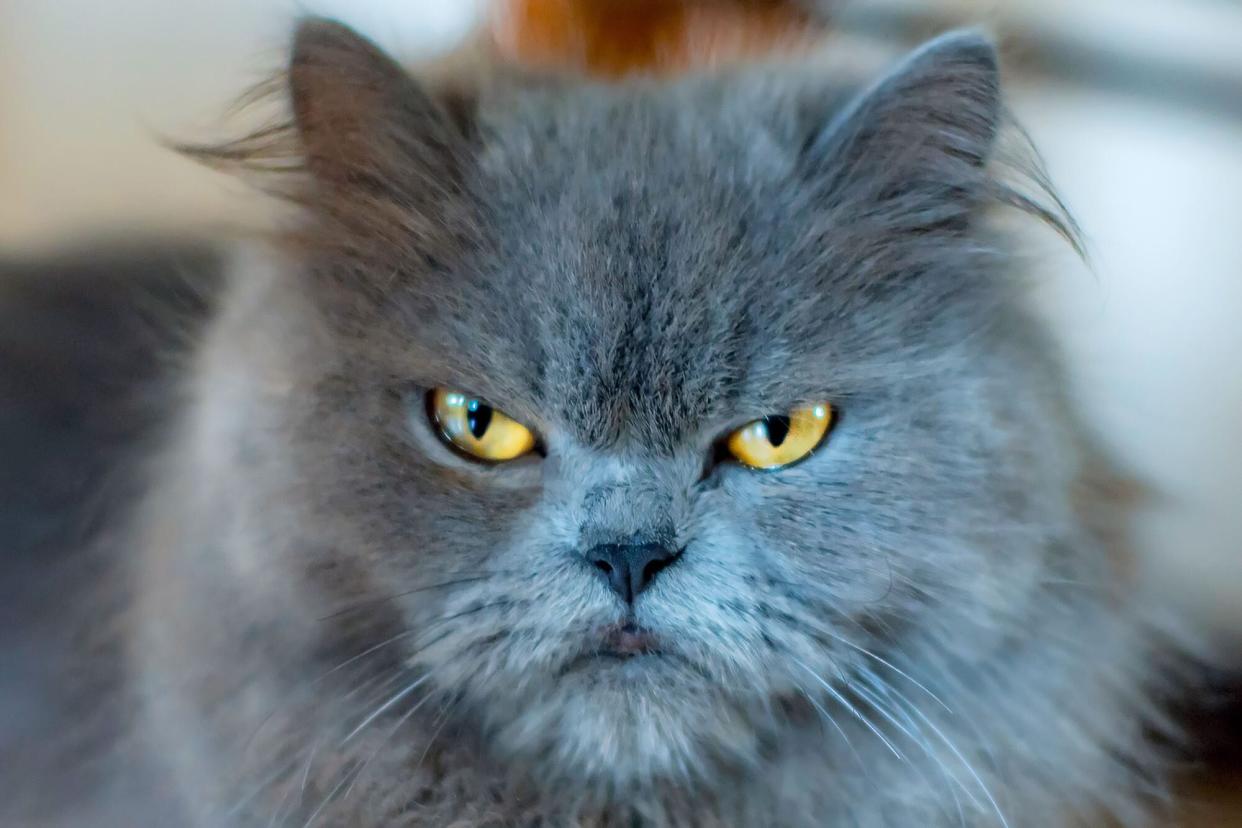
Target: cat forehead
[640,247]
[601,195]
[742,125]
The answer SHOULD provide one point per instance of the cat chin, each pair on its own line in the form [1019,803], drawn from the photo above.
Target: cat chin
[613,726]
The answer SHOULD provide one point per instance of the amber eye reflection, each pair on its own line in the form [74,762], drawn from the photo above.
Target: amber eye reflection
[474,427]
[778,441]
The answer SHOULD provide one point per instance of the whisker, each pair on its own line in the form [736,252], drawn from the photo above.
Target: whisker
[919,740]
[311,684]
[984,740]
[382,679]
[284,769]
[832,721]
[280,808]
[310,820]
[368,651]
[306,770]
[969,768]
[876,705]
[850,707]
[375,648]
[441,720]
[379,711]
[263,785]
[890,666]
[420,681]
[405,717]
[351,775]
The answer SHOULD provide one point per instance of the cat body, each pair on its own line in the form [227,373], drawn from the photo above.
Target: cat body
[335,618]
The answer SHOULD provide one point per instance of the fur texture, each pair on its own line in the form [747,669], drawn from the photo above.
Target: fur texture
[339,621]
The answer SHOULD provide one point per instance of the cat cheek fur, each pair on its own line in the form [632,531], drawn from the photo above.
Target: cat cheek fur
[868,637]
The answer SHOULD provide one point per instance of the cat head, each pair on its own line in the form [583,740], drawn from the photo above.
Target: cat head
[650,413]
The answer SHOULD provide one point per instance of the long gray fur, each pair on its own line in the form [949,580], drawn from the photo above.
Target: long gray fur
[335,620]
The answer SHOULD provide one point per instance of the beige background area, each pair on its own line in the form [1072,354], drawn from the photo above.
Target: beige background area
[90,88]
[1155,332]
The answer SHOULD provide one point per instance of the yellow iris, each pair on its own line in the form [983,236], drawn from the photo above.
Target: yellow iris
[778,441]
[477,429]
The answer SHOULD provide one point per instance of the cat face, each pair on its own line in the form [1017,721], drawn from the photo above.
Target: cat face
[633,273]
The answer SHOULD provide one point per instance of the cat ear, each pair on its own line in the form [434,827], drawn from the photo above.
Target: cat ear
[365,125]
[926,130]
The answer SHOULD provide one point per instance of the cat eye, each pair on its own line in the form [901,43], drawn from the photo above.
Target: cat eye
[773,442]
[475,428]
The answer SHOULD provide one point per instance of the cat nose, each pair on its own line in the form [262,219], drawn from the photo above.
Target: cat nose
[631,567]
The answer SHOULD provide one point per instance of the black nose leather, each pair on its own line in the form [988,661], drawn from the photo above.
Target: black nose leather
[630,568]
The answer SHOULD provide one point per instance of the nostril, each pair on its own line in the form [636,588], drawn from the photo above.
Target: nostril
[654,568]
[630,568]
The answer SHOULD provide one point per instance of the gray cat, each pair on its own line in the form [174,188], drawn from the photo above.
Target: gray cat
[659,453]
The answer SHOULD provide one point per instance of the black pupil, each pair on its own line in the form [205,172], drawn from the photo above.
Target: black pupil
[778,429]
[478,418]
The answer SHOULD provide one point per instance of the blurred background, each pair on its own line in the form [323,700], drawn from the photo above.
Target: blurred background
[1136,105]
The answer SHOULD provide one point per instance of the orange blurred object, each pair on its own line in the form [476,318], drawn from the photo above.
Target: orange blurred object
[611,38]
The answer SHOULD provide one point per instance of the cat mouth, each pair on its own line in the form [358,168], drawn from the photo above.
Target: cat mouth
[626,644]
[629,641]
